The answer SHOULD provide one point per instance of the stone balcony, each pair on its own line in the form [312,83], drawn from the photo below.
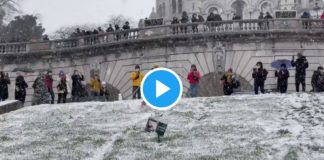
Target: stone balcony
[227,28]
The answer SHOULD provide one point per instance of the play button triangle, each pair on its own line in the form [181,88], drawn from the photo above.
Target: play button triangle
[160,89]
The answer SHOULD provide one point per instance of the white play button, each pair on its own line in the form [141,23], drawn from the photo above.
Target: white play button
[160,89]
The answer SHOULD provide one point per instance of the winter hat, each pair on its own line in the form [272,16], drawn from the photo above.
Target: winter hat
[259,64]
[193,66]
[61,74]
[230,70]
[137,67]
[320,68]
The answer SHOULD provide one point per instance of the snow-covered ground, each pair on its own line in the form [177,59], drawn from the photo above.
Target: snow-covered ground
[240,127]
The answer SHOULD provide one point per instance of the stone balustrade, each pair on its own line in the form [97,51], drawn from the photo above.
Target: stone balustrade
[147,33]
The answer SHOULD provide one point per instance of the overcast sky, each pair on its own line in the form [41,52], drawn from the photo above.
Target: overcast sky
[56,13]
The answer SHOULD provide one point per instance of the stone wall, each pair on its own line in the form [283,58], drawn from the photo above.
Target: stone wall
[212,55]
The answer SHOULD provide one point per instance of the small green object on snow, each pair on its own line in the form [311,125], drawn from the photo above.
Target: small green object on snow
[161,128]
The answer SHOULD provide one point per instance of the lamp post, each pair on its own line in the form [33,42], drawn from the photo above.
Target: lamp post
[317,8]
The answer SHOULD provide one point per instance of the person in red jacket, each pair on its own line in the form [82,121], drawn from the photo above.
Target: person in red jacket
[193,78]
[49,85]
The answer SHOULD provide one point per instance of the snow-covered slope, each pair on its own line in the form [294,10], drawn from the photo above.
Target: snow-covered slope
[241,127]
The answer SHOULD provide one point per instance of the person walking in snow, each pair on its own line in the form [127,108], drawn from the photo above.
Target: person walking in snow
[229,82]
[20,90]
[260,76]
[193,78]
[41,94]
[49,84]
[318,80]
[77,87]
[4,82]
[301,65]
[283,76]
[137,77]
[62,90]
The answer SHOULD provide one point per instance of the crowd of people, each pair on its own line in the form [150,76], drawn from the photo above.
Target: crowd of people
[214,17]
[230,81]
[44,91]
[80,33]
[260,74]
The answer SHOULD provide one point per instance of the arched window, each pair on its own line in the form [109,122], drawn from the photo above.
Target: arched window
[174,6]
[179,6]
[239,7]
[213,10]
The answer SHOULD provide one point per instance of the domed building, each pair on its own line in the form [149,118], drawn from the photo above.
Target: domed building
[167,9]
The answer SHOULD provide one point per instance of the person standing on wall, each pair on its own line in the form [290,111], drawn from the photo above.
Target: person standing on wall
[260,76]
[137,77]
[49,84]
[283,76]
[4,82]
[194,78]
[20,90]
[77,87]
[301,65]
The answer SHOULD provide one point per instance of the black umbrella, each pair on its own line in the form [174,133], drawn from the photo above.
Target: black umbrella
[23,69]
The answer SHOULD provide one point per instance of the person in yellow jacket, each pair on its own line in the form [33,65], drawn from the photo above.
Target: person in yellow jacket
[96,86]
[137,77]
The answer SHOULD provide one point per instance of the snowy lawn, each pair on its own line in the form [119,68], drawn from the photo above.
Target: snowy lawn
[247,127]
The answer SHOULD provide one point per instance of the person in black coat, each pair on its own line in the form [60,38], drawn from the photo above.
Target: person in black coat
[175,29]
[318,80]
[20,91]
[283,76]
[125,28]
[4,82]
[268,17]
[184,19]
[62,90]
[301,65]
[110,29]
[77,87]
[194,19]
[260,76]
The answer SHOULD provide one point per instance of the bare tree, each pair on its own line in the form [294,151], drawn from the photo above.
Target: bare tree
[66,32]
[119,20]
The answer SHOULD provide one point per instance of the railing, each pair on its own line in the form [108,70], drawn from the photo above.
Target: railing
[188,29]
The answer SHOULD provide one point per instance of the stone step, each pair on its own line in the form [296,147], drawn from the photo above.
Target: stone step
[10,105]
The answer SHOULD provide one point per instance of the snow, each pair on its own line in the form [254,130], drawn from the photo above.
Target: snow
[271,126]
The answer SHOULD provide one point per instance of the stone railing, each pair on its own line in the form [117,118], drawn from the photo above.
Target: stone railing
[167,31]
